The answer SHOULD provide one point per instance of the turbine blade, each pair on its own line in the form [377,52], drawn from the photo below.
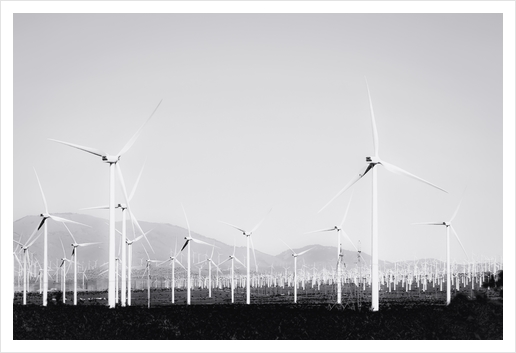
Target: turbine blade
[63,220]
[200,242]
[136,184]
[229,224]
[148,257]
[397,170]
[32,242]
[303,252]
[64,252]
[349,239]
[347,209]
[73,238]
[135,136]
[42,194]
[138,238]
[188,224]
[320,230]
[135,221]
[462,246]
[223,262]
[293,252]
[457,210]
[17,242]
[41,223]
[428,224]
[94,151]
[263,219]
[88,244]
[373,121]
[240,262]
[105,207]
[164,262]
[184,246]
[180,264]
[34,232]
[363,171]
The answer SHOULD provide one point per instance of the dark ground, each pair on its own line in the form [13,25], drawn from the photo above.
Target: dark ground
[268,318]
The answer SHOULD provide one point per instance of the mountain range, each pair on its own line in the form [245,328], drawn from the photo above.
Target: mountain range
[163,237]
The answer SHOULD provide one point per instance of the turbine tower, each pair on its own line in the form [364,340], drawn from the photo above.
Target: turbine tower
[372,162]
[112,160]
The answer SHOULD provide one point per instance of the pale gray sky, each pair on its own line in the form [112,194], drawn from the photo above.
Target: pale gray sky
[268,110]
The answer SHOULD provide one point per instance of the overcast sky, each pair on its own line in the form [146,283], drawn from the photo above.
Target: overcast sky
[268,110]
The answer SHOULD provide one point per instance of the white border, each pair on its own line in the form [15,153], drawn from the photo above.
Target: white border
[8,8]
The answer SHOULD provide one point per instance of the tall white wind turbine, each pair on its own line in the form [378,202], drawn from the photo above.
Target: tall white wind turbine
[124,208]
[75,245]
[112,160]
[130,259]
[44,223]
[295,267]
[209,261]
[248,236]
[173,259]
[233,259]
[188,239]
[339,229]
[448,226]
[371,163]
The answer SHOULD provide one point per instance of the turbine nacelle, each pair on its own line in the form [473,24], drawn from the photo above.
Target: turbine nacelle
[110,159]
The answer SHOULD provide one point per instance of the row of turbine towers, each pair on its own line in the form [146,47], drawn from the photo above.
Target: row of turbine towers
[114,167]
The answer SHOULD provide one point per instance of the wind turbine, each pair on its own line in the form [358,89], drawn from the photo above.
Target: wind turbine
[147,269]
[232,258]
[295,267]
[63,260]
[124,208]
[448,226]
[339,252]
[112,160]
[248,236]
[188,239]
[130,262]
[209,261]
[75,245]
[173,259]
[372,162]
[43,222]
[25,247]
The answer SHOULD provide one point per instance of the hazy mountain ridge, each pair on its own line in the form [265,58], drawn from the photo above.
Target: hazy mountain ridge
[163,238]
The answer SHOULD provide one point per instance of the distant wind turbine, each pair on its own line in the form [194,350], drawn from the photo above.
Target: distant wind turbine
[25,247]
[188,239]
[233,258]
[339,250]
[248,236]
[371,163]
[75,245]
[112,160]
[295,267]
[209,261]
[448,226]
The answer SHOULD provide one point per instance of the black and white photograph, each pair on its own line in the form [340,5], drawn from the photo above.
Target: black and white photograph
[327,176]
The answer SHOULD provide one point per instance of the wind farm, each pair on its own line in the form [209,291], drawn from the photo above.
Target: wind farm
[235,208]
